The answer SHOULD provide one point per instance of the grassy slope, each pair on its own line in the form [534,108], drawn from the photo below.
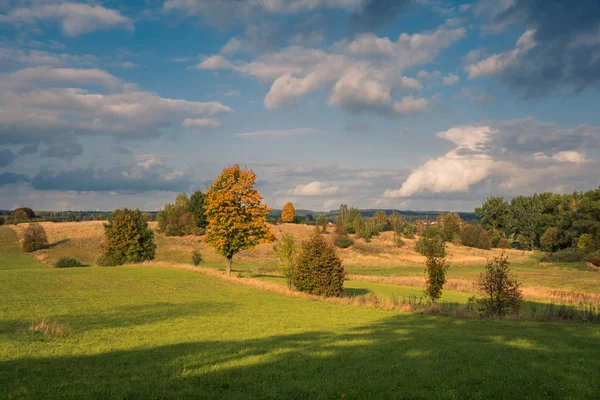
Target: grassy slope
[152,332]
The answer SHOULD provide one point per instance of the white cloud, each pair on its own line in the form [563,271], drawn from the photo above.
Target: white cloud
[74,18]
[39,103]
[498,62]
[315,188]
[275,133]
[201,123]
[451,79]
[519,155]
[455,171]
[41,57]
[363,74]
[570,157]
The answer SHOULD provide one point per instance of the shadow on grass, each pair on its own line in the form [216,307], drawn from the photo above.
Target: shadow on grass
[55,244]
[349,292]
[405,356]
[126,317]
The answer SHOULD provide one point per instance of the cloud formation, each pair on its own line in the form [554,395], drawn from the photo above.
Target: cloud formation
[74,19]
[275,133]
[511,155]
[362,74]
[40,104]
[558,53]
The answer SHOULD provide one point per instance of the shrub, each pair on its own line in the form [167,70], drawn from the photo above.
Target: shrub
[525,243]
[435,269]
[288,213]
[475,236]
[548,241]
[1,220]
[67,262]
[127,238]
[197,258]
[409,231]
[110,260]
[503,243]
[34,237]
[500,288]
[199,231]
[431,243]
[318,269]
[594,258]
[584,241]
[342,241]
[398,238]
[570,254]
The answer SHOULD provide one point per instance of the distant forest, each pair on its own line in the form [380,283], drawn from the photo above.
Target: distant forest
[410,216]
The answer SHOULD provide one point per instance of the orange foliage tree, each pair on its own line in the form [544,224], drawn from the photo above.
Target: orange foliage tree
[236,218]
[288,213]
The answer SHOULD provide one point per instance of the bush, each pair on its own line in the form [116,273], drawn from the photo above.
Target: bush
[110,260]
[34,238]
[67,262]
[584,241]
[503,243]
[200,231]
[409,231]
[475,236]
[398,238]
[197,258]
[570,254]
[342,241]
[127,238]
[500,288]
[318,270]
[594,258]
[525,243]
[286,251]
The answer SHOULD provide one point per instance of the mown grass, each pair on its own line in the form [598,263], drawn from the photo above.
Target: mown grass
[153,332]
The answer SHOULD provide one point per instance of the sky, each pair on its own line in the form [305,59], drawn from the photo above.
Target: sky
[397,104]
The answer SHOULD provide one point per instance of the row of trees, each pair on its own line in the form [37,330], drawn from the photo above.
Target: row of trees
[185,217]
[546,220]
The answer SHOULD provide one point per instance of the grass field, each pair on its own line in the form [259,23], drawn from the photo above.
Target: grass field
[157,332]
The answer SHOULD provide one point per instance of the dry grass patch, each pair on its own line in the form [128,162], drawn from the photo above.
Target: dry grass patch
[49,328]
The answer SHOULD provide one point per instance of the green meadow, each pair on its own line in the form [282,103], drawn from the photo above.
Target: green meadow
[140,332]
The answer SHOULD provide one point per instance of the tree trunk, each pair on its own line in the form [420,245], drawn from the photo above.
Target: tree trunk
[229,267]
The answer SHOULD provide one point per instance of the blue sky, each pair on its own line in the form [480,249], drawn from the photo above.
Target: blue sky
[407,104]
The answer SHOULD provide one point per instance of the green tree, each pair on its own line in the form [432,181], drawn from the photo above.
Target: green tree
[318,269]
[23,214]
[322,222]
[494,213]
[237,219]
[501,290]
[127,238]
[286,251]
[436,267]
[196,207]
[432,243]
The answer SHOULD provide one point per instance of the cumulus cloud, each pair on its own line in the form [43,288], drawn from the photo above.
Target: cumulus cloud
[363,74]
[201,123]
[12,57]
[559,52]
[315,188]
[42,103]
[275,133]
[509,155]
[74,19]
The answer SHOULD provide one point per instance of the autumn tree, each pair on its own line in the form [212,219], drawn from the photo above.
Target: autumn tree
[237,220]
[288,213]
[23,214]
